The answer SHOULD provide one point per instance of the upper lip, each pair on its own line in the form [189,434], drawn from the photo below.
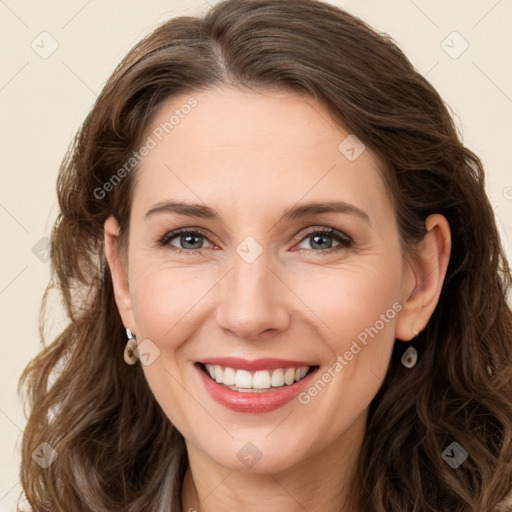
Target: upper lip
[265,363]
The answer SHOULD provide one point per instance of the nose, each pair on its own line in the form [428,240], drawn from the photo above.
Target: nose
[252,300]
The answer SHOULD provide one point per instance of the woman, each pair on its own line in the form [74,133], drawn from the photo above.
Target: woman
[284,280]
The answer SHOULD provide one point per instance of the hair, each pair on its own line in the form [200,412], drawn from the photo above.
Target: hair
[116,448]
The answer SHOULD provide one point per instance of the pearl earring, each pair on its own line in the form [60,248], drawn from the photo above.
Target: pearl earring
[129,351]
[410,357]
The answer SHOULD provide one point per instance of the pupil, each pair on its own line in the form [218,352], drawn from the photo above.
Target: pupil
[186,238]
[321,237]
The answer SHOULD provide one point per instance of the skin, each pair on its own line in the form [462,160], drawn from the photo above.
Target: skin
[250,156]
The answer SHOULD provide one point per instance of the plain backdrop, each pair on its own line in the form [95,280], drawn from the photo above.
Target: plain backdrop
[57,55]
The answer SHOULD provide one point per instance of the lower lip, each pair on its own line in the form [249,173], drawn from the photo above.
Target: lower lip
[255,402]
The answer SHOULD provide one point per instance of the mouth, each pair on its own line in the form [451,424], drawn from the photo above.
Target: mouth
[260,381]
[254,386]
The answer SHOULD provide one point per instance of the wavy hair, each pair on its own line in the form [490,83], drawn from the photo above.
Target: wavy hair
[117,450]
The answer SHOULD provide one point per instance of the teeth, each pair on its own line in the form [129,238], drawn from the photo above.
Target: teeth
[261,380]
[289,376]
[277,378]
[242,380]
[229,377]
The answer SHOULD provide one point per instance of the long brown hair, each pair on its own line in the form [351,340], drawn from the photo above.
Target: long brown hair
[117,450]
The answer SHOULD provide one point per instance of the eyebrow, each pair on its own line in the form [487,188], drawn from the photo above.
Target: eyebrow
[295,212]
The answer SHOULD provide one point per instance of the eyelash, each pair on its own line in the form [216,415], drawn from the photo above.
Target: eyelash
[345,241]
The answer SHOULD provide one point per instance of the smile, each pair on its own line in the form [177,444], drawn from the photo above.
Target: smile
[254,386]
[260,381]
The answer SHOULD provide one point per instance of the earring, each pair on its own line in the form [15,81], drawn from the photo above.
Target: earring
[129,351]
[415,333]
[409,357]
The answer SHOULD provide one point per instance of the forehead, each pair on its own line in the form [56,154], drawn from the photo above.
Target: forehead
[246,149]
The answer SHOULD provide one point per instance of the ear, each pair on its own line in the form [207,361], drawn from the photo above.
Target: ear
[119,273]
[423,278]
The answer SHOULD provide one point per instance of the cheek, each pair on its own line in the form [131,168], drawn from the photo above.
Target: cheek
[359,354]
[358,308]
[365,311]
[165,302]
[357,301]
[164,299]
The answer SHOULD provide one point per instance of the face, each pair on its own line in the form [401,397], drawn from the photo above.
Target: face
[256,285]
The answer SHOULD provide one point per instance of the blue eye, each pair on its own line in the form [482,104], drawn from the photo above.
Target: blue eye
[186,237]
[322,238]
[192,240]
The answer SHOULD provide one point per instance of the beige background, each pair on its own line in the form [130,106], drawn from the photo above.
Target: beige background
[43,102]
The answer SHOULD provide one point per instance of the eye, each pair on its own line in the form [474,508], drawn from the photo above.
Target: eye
[321,239]
[188,239]
[192,240]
